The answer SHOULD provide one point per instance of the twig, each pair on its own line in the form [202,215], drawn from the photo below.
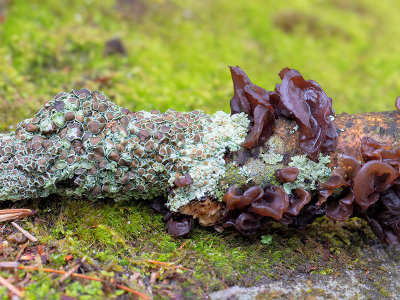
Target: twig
[313,242]
[24,232]
[213,274]
[223,282]
[9,264]
[13,214]
[69,273]
[153,277]
[183,245]
[11,287]
[72,270]
[326,250]
[122,287]
[211,270]
[167,264]
[21,251]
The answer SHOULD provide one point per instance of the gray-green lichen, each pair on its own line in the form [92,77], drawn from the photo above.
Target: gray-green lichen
[261,170]
[271,157]
[310,172]
[207,169]
[80,144]
[258,169]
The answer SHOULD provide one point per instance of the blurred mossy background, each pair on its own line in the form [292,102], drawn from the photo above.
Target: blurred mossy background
[175,55]
[177,52]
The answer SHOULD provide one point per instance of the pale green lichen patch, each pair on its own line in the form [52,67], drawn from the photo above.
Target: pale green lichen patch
[273,155]
[262,173]
[272,158]
[235,175]
[261,170]
[310,172]
[206,158]
[58,119]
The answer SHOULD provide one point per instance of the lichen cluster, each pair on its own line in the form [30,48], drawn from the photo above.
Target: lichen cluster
[205,160]
[80,144]
[310,173]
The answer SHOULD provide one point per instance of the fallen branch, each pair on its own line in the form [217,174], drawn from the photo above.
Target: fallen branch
[280,155]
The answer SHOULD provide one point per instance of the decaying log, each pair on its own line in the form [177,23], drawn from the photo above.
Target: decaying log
[281,155]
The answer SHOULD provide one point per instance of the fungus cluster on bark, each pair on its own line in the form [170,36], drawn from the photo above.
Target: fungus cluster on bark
[369,190]
[246,212]
[295,98]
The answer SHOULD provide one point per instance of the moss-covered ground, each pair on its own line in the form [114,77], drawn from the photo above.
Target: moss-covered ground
[126,243]
[175,56]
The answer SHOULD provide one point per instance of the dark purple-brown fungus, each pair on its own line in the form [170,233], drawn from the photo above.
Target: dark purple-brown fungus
[340,210]
[384,216]
[233,201]
[254,101]
[184,180]
[273,203]
[374,150]
[340,206]
[374,177]
[287,174]
[179,226]
[247,222]
[306,102]
[297,200]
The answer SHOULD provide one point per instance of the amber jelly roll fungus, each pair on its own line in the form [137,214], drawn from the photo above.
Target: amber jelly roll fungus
[80,144]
